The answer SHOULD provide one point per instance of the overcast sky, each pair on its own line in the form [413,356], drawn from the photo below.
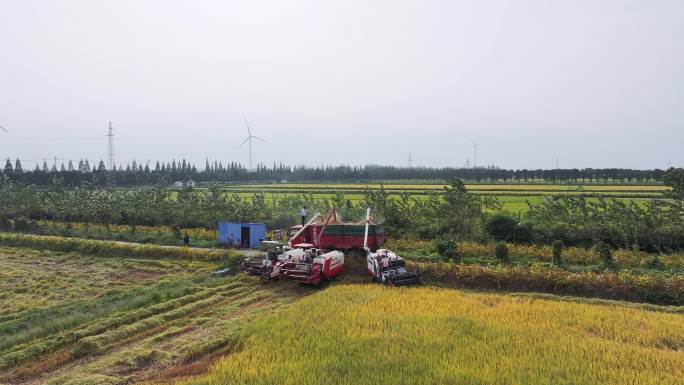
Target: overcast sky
[594,83]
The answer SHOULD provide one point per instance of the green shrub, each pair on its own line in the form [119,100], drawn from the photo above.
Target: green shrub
[501,252]
[501,226]
[446,247]
[651,288]
[653,262]
[605,253]
[5,224]
[21,224]
[558,247]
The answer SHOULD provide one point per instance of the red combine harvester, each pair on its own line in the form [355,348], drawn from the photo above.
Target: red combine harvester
[312,267]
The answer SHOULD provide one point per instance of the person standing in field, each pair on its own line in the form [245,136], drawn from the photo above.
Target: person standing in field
[385,262]
[303,213]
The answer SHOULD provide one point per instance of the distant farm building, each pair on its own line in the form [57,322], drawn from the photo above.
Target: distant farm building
[179,184]
[240,234]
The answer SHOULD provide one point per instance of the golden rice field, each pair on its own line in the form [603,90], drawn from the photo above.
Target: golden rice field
[363,334]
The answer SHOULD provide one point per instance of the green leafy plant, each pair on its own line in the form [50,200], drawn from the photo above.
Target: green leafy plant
[558,247]
[501,252]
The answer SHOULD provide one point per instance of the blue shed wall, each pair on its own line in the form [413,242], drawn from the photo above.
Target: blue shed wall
[257,232]
[227,228]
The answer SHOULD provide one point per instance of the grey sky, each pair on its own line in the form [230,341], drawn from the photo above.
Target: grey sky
[595,83]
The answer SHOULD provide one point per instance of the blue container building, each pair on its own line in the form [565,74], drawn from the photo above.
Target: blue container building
[244,235]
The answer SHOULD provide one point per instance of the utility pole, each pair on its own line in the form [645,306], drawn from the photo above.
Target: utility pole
[409,161]
[475,146]
[110,147]
[110,179]
[556,163]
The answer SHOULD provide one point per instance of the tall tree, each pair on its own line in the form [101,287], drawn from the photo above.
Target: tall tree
[674,178]
[8,167]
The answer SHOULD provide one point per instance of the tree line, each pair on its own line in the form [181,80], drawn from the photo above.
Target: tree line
[452,215]
[137,174]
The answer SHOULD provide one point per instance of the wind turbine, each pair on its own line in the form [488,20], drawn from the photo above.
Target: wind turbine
[249,139]
[475,146]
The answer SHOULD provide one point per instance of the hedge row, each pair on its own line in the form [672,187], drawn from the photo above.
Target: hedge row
[656,289]
[116,249]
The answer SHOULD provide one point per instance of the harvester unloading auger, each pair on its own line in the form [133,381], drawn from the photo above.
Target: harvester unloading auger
[385,266]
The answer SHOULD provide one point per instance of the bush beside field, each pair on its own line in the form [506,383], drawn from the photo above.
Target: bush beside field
[652,288]
[116,249]
[424,251]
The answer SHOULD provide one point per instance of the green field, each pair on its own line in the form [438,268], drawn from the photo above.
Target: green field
[514,197]
[472,187]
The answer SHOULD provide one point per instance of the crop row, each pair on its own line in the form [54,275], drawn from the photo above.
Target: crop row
[97,343]
[115,249]
[85,337]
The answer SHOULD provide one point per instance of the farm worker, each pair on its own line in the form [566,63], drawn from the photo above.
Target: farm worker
[385,262]
[231,240]
[303,214]
[186,239]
